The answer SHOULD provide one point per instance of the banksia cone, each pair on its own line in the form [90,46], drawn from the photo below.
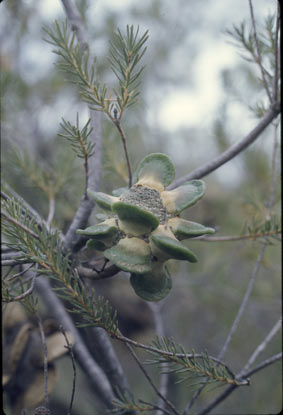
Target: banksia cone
[143,229]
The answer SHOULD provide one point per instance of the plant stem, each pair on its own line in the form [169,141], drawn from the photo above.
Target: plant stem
[124,141]
[231,388]
[20,225]
[70,348]
[244,302]
[151,382]
[45,360]
[259,57]
[276,54]
[232,151]
[236,238]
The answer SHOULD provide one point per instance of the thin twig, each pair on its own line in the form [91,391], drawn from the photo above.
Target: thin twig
[232,151]
[17,261]
[231,388]
[259,57]
[244,301]
[150,381]
[20,225]
[51,211]
[45,360]
[97,379]
[26,206]
[159,328]
[70,349]
[134,343]
[262,345]
[153,406]
[263,365]
[11,255]
[276,54]
[234,325]
[124,141]
[20,273]
[233,238]
[76,22]
[106,273]
[25,294]
[271,199]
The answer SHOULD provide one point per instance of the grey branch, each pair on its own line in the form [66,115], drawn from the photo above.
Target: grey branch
[95,168]
[102,350]
[159,326]
[244,301]
[231,388]
[97,378]
[76,22]
[107,358]
[262,345]
[95,161]
[232,151]
[258,51]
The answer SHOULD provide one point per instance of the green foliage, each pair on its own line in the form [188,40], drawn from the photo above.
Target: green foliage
[244,39]
[126,404]
[36,244]
[260,48]
[125,54]
[264,228]
[78,138]
[204,369]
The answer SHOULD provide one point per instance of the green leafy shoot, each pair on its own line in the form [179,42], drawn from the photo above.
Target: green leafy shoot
[126,404]
[79,141]
[75,62]
[205,370]
[41,246]
[243,38]
[125,54]
[78,138]
[262,51]
[264,228]
[48,179]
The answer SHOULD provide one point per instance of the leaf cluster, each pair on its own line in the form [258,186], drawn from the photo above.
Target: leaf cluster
[188,366]
[78,138]
[243,38]
[125,54]
[267,229]
[262,49]
[126,404]
[40,246]
[75,62]
[48,179]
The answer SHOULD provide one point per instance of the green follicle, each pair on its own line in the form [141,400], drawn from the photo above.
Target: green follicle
[154,285]
[155,171]
[102,199]
[173,248]
[106,229]
[184,229]
[95,244]
[130,254]
[184,196]
[133,219]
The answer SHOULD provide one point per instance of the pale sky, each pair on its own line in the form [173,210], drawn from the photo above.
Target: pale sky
[185,106]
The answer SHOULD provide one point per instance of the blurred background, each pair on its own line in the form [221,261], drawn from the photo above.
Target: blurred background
[197,98]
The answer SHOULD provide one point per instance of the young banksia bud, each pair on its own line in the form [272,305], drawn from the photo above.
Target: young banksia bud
[144,230]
